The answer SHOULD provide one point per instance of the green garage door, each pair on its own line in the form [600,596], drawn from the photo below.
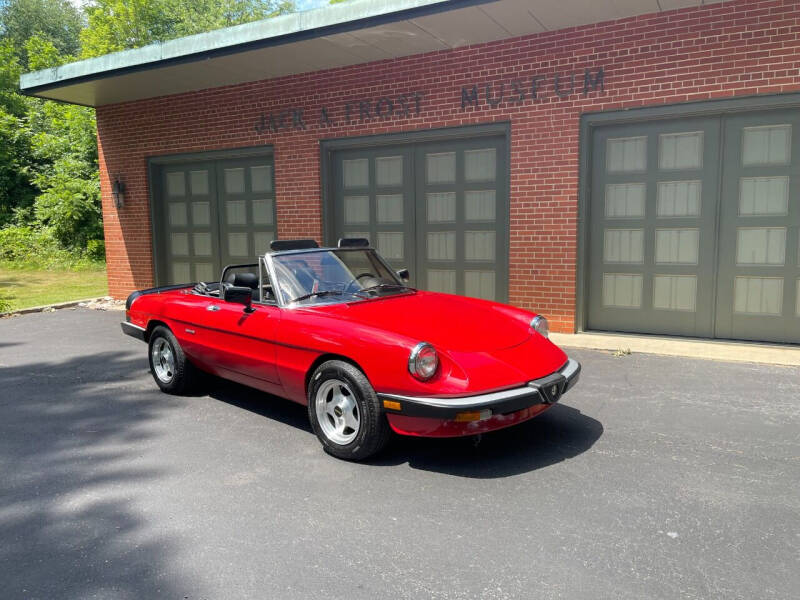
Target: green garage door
[211,214]
[440,209]
[694,227]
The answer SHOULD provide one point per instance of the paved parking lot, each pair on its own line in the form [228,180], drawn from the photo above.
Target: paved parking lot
[656,477]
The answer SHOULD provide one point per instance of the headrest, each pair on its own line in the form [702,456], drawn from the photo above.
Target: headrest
[353,243]
[281,245]
[245,280]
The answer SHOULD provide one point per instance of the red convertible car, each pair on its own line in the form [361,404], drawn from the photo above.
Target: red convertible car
[338,330]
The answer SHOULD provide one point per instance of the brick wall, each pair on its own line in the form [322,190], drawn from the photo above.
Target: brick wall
[737,48]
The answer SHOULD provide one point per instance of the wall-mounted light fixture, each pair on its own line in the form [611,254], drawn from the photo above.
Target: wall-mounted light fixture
[118,192]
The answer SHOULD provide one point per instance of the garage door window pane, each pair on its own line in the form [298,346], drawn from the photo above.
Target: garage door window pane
[199,183]
[624,246]
[234,181]
[766,145]
[390,208]
[441,167]
[678,199]
[479,284]
[237,244]
[390,244]
[479,245]
[236,212]
[677,246]
[201,214]
[180,244]
[480,165]
[262,212]
[761,245]
[356,209]
[176,184]
[626,155]
[262,239]
[680,150]
[202,244]
[675,292]
[625,200]
[177,214]
[763,196]
[261,178]
[758,295]
[442,245]
[204,272]
[181,272]
[355,172]
[389,170]
[479,205]
[622,290]
[442,280]
[441,207]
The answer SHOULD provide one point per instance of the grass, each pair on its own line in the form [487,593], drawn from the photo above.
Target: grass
[22,287]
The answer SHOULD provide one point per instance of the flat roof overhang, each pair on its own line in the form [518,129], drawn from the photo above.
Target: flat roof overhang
[354,32]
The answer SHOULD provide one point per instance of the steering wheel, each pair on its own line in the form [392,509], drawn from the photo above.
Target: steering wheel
[357,280]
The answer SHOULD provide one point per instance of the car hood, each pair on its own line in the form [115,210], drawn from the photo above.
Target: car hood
[448,322]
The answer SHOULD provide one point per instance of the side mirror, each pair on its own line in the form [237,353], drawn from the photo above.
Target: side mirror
[239,295]
[404,275]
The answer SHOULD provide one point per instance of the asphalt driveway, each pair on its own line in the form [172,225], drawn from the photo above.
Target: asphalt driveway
[656,477]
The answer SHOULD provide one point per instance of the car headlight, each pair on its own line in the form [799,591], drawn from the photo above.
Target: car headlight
[423,361]
[540,325]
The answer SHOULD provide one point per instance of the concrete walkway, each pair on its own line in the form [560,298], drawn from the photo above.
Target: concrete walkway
[732,351]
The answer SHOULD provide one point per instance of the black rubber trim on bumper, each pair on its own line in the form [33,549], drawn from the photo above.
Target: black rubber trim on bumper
[133,330]
[546,390]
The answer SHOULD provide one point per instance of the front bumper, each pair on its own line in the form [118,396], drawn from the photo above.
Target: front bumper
[543,391]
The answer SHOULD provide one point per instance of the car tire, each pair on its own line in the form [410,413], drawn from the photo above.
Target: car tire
[345,412]
[171,369]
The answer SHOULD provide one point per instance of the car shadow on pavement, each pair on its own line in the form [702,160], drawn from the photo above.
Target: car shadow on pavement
[260,403]
[559,434]
[71,518]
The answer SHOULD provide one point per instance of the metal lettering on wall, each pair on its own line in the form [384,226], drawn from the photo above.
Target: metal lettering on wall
[358,111]
[536,87]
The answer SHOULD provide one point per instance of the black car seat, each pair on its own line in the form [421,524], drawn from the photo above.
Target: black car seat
[245,279]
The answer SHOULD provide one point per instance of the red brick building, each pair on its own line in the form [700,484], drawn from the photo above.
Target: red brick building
[616,166]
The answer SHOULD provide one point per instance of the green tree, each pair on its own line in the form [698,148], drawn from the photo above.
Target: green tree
[55,20]
[64,151]
[16,186]
[121,24]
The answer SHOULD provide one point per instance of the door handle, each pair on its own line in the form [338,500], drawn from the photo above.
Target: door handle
[212,308]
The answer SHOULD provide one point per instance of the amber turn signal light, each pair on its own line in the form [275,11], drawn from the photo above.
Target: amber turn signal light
[391,405]
[476,415]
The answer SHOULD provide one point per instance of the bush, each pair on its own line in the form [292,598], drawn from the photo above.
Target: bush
[19,243]
[96,250]
[69,204]
[22,246]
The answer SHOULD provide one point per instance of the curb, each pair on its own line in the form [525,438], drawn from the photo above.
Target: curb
[56,306]
[783,355]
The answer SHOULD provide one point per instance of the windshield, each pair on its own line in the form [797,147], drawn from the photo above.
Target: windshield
[341,275]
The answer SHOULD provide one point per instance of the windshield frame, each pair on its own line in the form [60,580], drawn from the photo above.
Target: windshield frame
[282,303]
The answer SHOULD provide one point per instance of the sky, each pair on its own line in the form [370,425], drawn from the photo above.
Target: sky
[309,4]
[301,4]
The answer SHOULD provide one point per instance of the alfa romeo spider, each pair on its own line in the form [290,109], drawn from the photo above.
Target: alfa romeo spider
[340,331]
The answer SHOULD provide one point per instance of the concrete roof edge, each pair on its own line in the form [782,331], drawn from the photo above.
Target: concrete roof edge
[228,38]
